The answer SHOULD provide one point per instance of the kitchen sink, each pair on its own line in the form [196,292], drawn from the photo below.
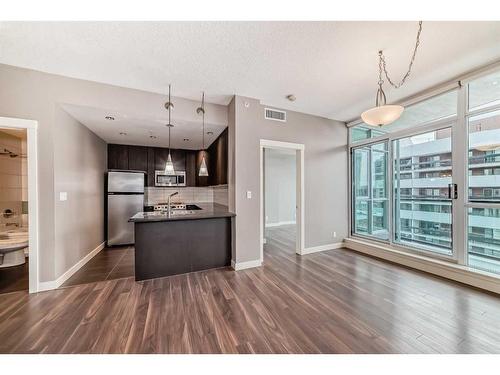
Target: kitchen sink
[192,207]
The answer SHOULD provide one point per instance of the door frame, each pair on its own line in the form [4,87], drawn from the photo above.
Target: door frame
[31,127]
[299,191]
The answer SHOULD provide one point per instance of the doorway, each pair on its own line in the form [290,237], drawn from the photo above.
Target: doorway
[18,206]
[282,195]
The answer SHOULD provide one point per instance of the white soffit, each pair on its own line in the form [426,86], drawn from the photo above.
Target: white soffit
[127,128]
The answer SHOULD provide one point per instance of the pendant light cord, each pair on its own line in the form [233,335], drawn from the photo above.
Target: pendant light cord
[203,118]
[169,123]
[383,66]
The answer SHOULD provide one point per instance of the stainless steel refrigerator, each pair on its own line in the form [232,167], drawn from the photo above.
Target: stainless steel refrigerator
[125,199]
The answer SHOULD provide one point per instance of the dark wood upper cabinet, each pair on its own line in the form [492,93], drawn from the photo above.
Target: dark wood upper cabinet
[151,166]
[138,158]
[179,159]
[151,159]
[161,155]
[191,170]
[117,156]
[218,160]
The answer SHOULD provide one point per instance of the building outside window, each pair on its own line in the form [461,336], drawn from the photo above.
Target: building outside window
[422,168]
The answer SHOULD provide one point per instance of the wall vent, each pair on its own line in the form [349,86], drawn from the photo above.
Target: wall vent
[274,114]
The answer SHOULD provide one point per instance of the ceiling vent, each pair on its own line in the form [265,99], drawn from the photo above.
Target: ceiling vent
[274,114]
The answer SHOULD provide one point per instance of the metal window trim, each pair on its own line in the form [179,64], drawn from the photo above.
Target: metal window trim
[369,198]
[454,254]
[482,111]
[407,248]
[422,128]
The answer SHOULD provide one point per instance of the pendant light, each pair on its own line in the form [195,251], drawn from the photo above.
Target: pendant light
[169,165]
[383,113]
[203,172]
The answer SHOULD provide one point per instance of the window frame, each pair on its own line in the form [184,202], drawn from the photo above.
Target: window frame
[370,198]
[460,166]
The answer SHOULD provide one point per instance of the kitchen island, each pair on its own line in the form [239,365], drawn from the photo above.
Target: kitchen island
[182,241]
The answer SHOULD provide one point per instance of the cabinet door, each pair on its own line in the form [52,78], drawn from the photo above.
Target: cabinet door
[151,166]
[117,156]
[223,157]
[191,168]
[138,158]
[218,160]
[179,159]
[161,155]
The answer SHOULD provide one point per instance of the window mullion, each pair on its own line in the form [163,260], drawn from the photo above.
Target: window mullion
[460,153]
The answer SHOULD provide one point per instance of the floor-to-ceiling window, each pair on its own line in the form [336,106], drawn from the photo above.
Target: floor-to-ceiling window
[370,203]
[441,195]
[422,205]
[483,122]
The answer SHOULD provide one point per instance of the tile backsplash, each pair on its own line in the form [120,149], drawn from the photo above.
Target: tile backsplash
[220,195]
[210,194]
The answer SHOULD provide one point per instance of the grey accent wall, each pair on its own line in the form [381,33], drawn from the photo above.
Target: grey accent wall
[79,171]
[280,186]
[325,173]
[34,95]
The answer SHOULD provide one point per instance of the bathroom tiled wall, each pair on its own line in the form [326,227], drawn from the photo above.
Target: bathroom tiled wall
[11,179]
[209,194]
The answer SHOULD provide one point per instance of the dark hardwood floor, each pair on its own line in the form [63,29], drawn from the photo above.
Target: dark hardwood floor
[111,263]
[335,301]
[14,279]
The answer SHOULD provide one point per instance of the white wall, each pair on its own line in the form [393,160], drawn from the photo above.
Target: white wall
[280,187]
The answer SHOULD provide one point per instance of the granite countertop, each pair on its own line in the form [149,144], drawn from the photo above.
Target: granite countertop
[208,211]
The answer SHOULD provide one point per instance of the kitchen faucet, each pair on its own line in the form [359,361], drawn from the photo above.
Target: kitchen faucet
[169,209]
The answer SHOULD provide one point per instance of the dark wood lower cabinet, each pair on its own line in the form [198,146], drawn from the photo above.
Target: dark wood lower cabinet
[173,247]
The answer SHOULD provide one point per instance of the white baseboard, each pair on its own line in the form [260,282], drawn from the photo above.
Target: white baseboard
[244,265]
[54,284]
[452,271]
[315,249]
[280,223]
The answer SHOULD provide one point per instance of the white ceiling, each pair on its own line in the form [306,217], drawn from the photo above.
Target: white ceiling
[137,130]
[331,67]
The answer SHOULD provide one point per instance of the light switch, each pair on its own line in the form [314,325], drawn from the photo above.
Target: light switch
[249,194]
[63,196]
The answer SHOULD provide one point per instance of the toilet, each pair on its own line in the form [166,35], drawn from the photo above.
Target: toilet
[12,249]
